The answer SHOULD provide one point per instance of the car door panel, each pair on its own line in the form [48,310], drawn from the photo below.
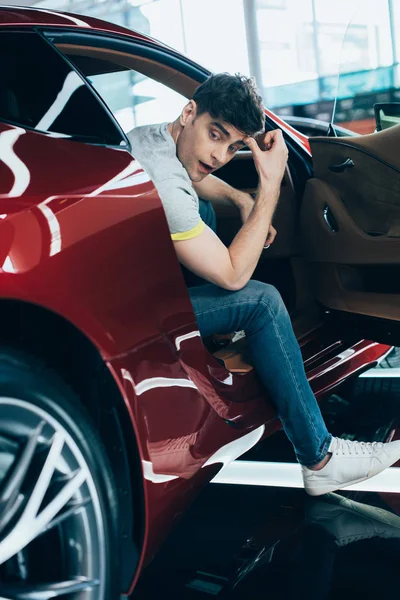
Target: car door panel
[350,223]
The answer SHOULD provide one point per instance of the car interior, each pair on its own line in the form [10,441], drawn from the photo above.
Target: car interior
[338,242]
[356,260]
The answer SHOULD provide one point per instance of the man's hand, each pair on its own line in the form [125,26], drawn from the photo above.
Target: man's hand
[271,236]
[270,156]
[245,211]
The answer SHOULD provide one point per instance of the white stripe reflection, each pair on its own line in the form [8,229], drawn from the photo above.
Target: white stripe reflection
[54,227]
[187,336]
[78,22]
[289,475]
[162,382]
[128,170]
[128,377]
[8,267]
[154,477]
[71,84]
[18,168]
[135,179]
[236,448]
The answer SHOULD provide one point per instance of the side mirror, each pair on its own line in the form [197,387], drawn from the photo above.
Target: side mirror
[387,114]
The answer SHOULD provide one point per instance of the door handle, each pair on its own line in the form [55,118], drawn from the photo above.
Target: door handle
[330,219]
[347,164]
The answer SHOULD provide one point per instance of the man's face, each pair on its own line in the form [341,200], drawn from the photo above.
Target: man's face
[206,144]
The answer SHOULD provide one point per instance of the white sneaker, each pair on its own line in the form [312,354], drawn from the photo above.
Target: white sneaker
[351,462]
[349,521]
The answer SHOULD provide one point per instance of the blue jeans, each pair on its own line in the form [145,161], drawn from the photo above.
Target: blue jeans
[258,309]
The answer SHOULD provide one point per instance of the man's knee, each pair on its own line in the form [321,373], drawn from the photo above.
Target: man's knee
[263,294]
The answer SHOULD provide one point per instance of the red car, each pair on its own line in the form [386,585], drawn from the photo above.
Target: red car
[114,413]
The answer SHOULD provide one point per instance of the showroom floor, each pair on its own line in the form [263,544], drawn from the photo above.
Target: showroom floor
[248,542]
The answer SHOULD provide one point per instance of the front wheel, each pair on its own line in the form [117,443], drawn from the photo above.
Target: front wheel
[58,508]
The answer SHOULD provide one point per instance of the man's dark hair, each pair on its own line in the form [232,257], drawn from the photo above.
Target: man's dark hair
[233,99]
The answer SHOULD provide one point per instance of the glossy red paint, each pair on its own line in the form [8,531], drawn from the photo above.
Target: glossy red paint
[295,135]
[46,18]
[92,245]
[31,17]
[136,312]
[176,447]
[329,362]
[355,359]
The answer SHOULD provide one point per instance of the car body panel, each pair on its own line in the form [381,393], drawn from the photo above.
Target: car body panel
[127,296]
[295,135]
[40,17]
[62,212]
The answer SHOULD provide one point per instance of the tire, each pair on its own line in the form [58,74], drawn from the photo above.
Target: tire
[58,502]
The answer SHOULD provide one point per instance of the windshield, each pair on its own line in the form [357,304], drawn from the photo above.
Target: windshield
[368,66]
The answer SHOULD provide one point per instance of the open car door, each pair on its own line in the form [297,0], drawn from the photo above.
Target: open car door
[350,213]
[350,221]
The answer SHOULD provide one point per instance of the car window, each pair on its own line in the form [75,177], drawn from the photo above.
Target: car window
[40,90]
[134,98]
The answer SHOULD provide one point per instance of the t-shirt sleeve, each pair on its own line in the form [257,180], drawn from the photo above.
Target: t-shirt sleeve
[183,216]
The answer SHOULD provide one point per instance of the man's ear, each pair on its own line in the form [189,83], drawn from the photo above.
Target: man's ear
[188,113]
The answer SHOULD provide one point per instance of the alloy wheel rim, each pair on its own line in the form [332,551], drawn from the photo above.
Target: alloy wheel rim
[49,504]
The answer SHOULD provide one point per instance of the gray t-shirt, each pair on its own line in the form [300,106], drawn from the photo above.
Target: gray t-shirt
[155,149]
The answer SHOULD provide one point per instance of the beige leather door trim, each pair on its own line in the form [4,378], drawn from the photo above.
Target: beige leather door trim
[350,244]
[331,292]
[383,145]
[354,250]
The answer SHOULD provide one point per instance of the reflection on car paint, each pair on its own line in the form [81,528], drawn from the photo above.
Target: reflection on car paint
[148,473]
[231,451]
[128,377]
[349,362]
[54,227]
[59,15]
[131,175]
[8,266]
[71,84]
[159,382]
[18,168]
[136,178]
[224,455]
[186,336]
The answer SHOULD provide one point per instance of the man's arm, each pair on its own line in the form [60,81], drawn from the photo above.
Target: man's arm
[219,192]
[231,268]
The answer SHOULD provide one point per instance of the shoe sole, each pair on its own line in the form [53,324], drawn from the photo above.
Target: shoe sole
[325,489]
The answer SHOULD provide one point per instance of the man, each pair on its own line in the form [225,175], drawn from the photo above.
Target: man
[224,115]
